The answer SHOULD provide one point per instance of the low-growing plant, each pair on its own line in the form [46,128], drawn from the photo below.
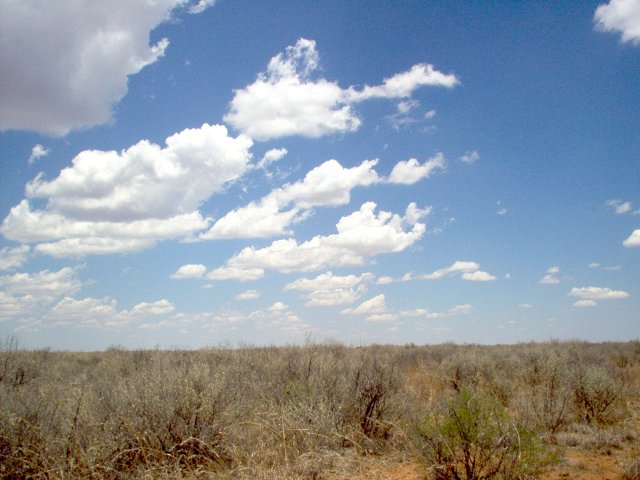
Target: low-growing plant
[596,393]
[472,438]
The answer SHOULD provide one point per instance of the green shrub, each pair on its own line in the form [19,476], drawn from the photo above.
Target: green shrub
[474,439]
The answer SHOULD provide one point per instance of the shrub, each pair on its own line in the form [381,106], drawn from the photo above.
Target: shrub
[546,389]
[595,394]
[473,439]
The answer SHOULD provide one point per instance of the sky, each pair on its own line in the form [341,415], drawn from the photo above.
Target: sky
[192,173]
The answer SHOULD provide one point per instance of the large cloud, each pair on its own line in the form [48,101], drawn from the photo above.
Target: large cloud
[589,295]
[360,235]
[328,289]
[620,16]
[108,202]
[285,100]
[64,64]
[327,184]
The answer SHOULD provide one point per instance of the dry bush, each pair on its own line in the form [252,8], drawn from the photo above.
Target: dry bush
[313,411]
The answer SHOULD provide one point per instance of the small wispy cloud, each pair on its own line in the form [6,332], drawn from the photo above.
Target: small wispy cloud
[37,152]
[619,206]
[550,278]
[470,157]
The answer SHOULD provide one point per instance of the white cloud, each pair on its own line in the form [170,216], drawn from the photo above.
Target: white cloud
[279,317]
[284,100]
[375,305]
[470,157]
[456,267]
[37,152]
[328,289]
[360,235]
[201,6]
[191,270]
[272,156]
[620,16]
[411,171]
[619,206]
[248,295]
[469,271]
[17,307]
[43,284]
[589,295]
[146,180]
[550,278]
[159,307]
[64,65]
[234,273]
[328,184]
[525,305]
[402,85]
[585,303]
[478,276]
[452,312]
[108,202]
[88,311]
[633,240]
[11,258]
[25,296]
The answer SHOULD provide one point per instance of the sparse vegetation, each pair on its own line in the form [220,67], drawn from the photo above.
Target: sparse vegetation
[316,411]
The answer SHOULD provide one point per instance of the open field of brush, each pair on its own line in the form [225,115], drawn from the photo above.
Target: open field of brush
[323,411]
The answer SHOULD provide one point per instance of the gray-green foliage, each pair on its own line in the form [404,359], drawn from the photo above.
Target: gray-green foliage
[290,412]
[471,437]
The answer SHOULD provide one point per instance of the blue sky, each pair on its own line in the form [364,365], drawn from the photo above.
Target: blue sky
[192,173]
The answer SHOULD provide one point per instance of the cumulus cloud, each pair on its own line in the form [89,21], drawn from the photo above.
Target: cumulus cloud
[411,171]
[478,276]
[469,271]
[550,278]
[633,240]
[285,100]
[87,311]
[248,295]
[585,303]
[374,309]
[328,184]
[24,296]
[622,16]
[37,152]
[272,156]
[328,289]
[235,273]
[12,258]
[43,284]
[280,318]
[189,271]
[108,202]
[589,295]
[64,65]
[360,235]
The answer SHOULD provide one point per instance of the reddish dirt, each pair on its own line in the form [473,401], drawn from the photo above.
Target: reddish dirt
[586,465]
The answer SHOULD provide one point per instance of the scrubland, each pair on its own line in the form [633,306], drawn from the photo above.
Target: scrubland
[320,411]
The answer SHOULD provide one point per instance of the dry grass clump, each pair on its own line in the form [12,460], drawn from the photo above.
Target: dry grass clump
[312,412]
